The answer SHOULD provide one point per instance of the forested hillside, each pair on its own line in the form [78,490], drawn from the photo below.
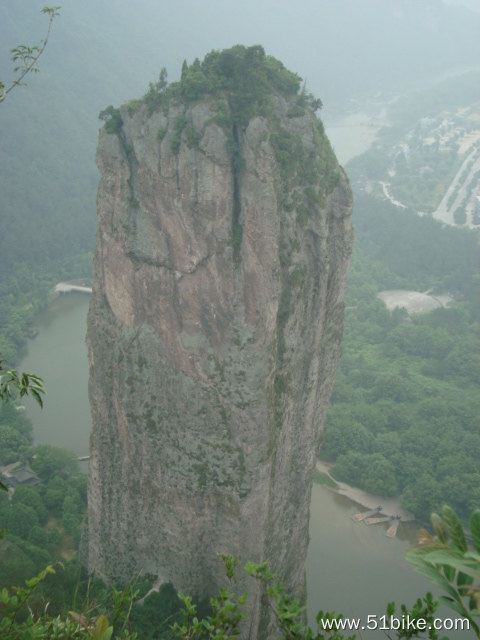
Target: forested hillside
[404,412]
[47,173]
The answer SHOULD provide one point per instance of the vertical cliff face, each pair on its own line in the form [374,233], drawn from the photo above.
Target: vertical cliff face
[214,327]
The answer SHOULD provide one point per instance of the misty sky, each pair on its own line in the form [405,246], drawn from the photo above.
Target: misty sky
[473,5]
[343,48]
[103,53]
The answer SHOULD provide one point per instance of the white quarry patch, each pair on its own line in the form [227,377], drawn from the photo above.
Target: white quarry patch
[413,301]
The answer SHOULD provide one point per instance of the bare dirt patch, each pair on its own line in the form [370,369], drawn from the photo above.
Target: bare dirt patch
[413,301]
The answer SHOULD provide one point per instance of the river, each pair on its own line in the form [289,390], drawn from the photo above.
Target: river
[350,568]
[59,355]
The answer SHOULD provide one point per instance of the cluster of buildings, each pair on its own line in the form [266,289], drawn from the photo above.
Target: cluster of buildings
[16,474]
[459,131]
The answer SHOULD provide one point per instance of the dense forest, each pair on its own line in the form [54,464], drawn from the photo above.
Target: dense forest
[404,413]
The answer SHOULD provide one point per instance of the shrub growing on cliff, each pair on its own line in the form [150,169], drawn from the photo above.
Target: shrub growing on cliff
[113,119]
[178,127]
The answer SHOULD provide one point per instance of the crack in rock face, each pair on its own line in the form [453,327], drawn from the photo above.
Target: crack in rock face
[214,335]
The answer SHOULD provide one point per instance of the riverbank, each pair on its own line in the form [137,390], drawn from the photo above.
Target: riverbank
[390,506]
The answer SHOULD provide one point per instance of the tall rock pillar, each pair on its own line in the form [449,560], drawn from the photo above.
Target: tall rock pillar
[214,329]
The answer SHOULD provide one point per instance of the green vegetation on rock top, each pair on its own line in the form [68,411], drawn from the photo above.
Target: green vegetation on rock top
[246,76]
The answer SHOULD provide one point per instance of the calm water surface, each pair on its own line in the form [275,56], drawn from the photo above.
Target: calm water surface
[59,355]
[350,568]
[355,568]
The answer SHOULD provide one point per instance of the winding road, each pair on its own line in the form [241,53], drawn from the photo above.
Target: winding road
[445,213]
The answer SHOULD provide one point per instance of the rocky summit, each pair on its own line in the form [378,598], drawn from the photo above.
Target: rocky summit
[224,236]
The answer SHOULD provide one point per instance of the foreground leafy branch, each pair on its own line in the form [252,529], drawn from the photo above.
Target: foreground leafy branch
[25,384]
[17,622]
[444,559]
[228,614]
[25,57]
[12,382]
[447,562]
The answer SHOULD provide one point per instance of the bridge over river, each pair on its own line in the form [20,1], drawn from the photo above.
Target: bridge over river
[68,287]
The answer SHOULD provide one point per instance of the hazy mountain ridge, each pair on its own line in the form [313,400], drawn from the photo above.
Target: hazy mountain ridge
[89,63]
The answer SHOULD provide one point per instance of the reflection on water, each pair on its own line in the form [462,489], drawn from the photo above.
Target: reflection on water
[59,355]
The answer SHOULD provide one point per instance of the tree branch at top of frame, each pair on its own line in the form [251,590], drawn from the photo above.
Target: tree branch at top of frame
[25,57]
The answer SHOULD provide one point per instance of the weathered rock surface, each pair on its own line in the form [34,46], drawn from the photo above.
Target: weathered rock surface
[214,335]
